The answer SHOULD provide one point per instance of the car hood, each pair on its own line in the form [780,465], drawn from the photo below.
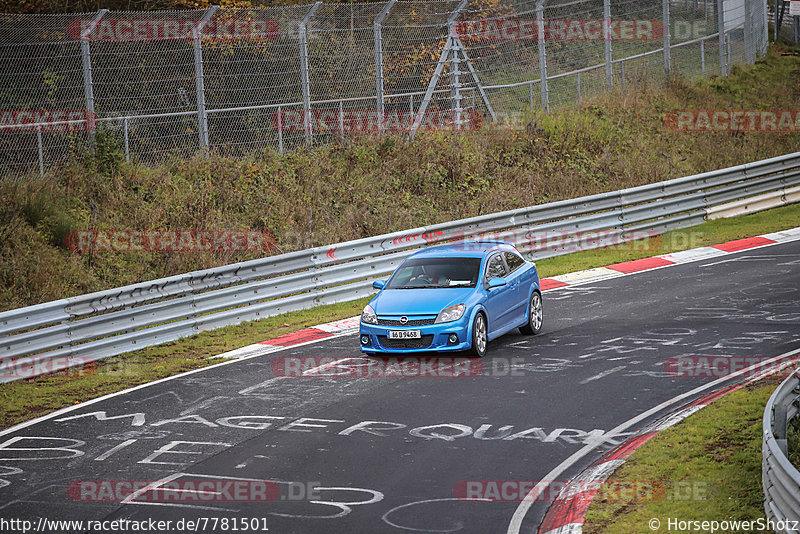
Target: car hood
[419,301]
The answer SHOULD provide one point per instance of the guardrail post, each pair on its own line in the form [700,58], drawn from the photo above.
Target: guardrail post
[378,33]
[304,74]
[607,42]
[86,62]
[40,149]
[199,81]
[723,67]
[667,37]
[542,55]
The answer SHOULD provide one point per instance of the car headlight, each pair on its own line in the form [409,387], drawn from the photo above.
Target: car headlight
[368,315]
[451,313]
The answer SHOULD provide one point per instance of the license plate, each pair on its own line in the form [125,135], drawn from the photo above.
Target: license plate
[404,334]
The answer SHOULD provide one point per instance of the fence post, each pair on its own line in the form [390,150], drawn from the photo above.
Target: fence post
[280,130]
[667,37]
[199,81]
[728,54]
[454,66]
[703,57]
[125,139]
[723,67]
[749,55]
[530,95]
[377,28]
[86,62]
[607,42]
[542,55]
[341,119]
[449,44]
[459,46]
[579,87]
[304,74]
[40,148]
[455,86]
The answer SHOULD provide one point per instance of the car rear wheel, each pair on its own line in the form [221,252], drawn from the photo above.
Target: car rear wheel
[479,336]
[535,315]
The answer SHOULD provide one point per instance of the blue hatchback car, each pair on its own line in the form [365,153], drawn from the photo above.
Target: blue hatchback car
[453,298]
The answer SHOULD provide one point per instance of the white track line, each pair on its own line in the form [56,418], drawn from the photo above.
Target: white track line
[519,514]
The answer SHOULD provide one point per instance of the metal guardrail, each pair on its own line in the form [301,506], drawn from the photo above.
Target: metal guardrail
[780,479]
[74,330]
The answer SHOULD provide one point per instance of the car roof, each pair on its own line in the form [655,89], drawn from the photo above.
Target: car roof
[465,249]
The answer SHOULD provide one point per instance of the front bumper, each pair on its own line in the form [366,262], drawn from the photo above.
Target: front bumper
[438,335]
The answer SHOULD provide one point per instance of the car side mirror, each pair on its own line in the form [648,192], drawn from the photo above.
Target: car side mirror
[496,282]
[379,284]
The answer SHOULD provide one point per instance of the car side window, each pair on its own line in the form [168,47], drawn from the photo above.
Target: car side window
[496,267]
[514,262]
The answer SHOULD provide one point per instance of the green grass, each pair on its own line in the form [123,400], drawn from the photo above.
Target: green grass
[368,186]
[707,467]
[26,399]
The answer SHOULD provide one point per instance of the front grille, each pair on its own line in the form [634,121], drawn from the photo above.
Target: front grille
[421,343]
[411,322]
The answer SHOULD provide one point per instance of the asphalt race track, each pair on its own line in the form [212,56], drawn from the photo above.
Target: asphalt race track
[387,454]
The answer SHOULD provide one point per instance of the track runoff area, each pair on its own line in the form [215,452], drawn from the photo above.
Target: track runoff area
[302,434]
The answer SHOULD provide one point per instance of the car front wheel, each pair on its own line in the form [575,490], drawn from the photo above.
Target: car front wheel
[535,315]
[479,336]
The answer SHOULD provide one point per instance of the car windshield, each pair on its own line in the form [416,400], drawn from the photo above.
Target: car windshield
[418,273]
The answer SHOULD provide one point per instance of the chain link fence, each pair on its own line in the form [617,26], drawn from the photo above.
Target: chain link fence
[788,26]
[162,84]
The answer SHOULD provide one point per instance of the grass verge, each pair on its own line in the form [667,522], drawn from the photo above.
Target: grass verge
[30,398]
[366,186]
[707,467]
